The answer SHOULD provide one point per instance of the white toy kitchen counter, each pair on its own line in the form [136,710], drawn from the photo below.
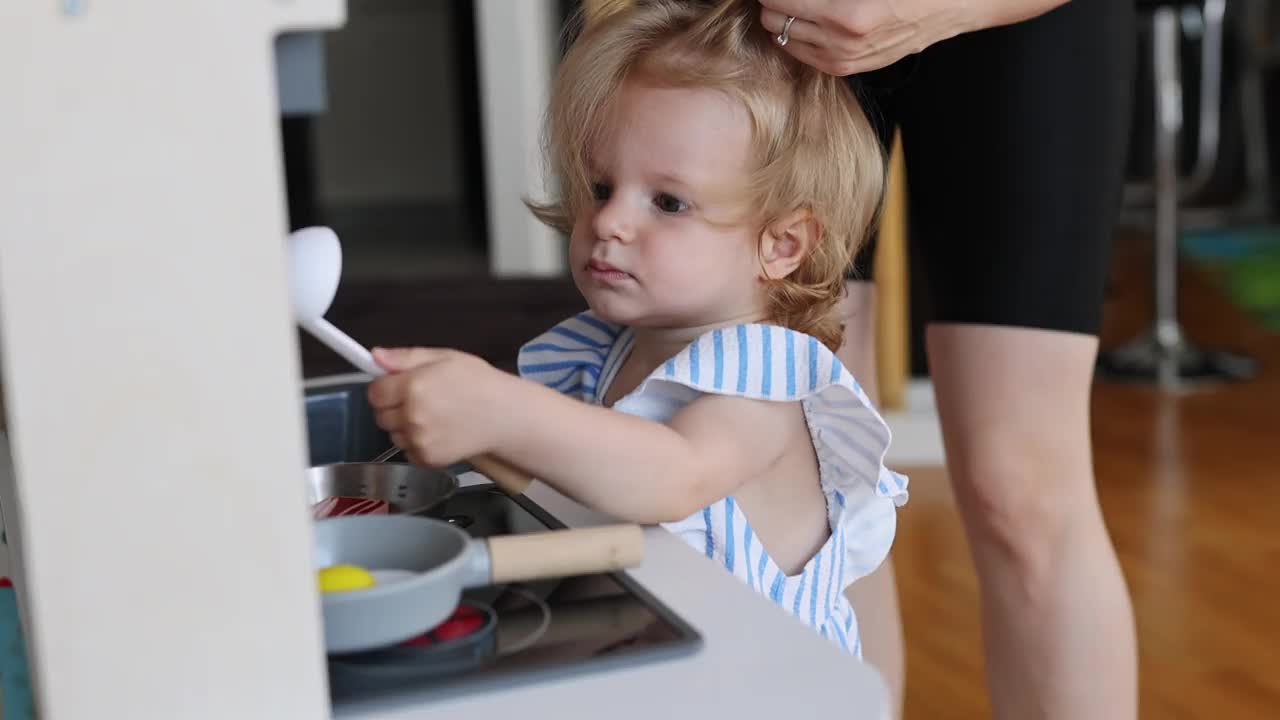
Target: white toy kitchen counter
[756,661]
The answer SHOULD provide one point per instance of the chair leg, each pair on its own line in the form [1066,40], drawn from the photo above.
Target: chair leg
[1164,354]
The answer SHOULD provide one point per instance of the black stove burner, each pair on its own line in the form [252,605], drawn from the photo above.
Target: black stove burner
[509,633]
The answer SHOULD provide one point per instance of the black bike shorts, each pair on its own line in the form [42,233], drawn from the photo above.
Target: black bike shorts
[1015,142]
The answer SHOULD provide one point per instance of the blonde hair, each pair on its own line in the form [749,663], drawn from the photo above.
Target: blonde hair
[813,147]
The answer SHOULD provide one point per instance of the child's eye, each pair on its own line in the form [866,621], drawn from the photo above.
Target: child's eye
[670,203]
[600,191]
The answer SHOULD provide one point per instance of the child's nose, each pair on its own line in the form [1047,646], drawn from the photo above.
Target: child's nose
[614,221]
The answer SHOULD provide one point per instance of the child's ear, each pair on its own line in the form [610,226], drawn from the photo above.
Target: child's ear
[786,242]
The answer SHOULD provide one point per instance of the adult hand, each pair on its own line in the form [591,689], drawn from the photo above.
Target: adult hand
[845,37]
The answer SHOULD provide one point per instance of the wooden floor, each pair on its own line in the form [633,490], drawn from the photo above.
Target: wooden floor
[1190,487]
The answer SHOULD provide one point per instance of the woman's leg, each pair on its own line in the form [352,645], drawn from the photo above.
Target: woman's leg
[1056,618]
[1015,143]
[874,597]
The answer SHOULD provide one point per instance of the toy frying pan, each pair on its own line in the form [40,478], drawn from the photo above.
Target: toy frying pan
[422,565]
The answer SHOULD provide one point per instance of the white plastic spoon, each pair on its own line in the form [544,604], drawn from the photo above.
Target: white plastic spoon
[315,266]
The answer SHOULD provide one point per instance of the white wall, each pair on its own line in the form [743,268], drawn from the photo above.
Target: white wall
[517,45]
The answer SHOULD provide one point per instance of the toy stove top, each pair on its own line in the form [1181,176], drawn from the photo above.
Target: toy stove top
[507,634]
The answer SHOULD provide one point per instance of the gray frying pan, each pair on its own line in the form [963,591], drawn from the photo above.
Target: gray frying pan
[422,565]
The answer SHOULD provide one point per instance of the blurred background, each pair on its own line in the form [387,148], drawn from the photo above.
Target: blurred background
[413,132]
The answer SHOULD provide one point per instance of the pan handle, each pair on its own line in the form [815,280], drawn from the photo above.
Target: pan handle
[562,553]
[506,476]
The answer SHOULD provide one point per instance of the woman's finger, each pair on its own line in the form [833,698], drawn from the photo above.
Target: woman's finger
[890,49]
[831,62]
[812,55]
[810,9]
[801,30]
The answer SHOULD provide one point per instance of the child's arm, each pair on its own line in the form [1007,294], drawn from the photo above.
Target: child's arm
[450,406]
[639,469]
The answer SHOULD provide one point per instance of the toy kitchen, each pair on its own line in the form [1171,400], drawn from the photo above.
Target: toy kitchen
[162,543]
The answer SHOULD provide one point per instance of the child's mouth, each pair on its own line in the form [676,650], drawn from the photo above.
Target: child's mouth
[604,272]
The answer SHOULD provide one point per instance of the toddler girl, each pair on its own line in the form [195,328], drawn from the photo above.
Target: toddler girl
[713,191]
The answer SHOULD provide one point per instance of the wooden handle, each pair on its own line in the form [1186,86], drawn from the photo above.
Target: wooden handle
[511,479]
[562,553]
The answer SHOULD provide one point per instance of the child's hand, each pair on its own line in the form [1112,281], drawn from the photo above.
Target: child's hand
[440,406]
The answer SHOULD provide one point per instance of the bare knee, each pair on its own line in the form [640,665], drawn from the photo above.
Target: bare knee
[1021,506]
[1014,409]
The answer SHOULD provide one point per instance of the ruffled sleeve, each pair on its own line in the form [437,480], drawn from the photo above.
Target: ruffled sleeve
[767,362]
[568,357]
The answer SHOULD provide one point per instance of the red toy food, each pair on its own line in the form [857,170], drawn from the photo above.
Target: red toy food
[335,506]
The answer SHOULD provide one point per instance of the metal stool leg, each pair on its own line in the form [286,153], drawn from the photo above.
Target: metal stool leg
[1164,354]
[1254,205]
[1140,196]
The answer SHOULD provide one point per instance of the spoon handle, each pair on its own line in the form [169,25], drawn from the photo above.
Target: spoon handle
[342,343]
[503,474]
[510,478]
[386,455]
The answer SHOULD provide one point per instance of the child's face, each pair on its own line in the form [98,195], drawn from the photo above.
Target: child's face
[668,243]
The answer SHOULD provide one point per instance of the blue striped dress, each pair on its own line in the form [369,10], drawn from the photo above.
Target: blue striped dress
[582,355]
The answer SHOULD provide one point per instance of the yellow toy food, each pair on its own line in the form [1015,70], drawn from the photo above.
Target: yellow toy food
[344,578]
